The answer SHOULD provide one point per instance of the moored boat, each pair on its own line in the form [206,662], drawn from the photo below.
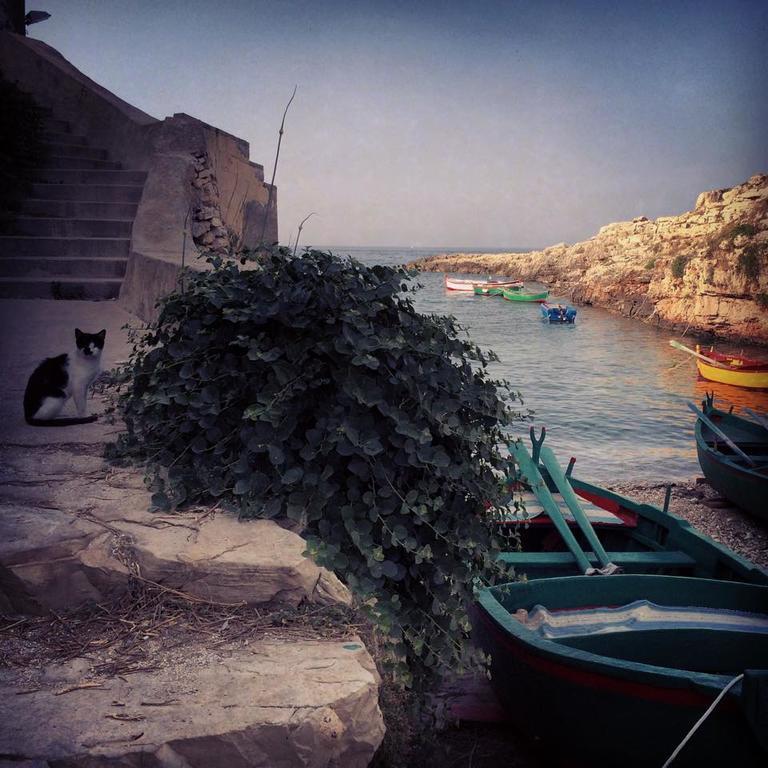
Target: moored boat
[584,661]
[459,284]
[558,313]
[737,370]
[523,295]
[733,455]
[616,670]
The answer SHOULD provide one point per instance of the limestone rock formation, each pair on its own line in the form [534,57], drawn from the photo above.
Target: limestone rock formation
[72,529]
[303,704]
[706,269]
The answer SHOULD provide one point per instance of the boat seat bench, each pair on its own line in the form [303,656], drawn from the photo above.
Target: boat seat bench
[666,559]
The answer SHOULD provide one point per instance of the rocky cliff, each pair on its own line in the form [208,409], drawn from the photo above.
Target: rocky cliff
[705,270]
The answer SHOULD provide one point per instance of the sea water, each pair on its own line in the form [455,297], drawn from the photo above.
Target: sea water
[610,390]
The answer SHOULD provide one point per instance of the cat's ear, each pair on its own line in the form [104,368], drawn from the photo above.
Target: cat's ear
[78,334]
[102,334]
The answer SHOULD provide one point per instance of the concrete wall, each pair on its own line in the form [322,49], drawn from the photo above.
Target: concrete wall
[166,150]
[12,16]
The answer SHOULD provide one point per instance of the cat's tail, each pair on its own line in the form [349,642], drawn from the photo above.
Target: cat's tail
[68,422]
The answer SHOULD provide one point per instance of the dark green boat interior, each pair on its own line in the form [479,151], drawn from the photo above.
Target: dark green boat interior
[717,651]
[579,592]
[655,543]
[714,651]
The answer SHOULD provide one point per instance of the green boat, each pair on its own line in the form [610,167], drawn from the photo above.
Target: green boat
[522,295]
[614,666]
[602,692]
[733,454]
[481,290]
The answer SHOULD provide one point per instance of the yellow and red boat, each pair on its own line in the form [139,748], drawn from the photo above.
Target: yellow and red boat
[737,370]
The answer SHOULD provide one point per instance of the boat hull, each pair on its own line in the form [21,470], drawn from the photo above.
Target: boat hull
[750,379]
[511,295]
[744,487]
[468,286]
[558,314]
[599,709]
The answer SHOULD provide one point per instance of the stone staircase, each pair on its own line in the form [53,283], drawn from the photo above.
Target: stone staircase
[70,238]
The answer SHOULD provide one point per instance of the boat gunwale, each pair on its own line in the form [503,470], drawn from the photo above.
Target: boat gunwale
[659,516]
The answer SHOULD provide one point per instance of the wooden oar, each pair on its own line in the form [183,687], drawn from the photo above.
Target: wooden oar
[561,483]
[683,348]
[532,476]
[758,417]
[719,432]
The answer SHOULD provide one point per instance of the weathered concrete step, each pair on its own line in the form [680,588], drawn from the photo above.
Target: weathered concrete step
[53,268]
[37,226]
[70,288]
[105,193]
[57,149]
[74,176]
[12,246]
[277,702]
[77,209]
[79,163]
[59,137]
[54,124]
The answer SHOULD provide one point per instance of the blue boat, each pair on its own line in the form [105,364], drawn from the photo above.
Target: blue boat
[558,313]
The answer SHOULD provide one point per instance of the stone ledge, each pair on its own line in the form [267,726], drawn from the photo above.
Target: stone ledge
[303,704]
[73,530]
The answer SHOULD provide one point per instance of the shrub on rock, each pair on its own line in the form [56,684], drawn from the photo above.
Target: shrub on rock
[310,388]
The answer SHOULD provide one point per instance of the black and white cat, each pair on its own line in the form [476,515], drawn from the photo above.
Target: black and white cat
[57,379]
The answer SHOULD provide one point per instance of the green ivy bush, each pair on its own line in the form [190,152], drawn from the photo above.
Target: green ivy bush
[310,388]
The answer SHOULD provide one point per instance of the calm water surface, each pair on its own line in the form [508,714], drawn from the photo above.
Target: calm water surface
[610,390]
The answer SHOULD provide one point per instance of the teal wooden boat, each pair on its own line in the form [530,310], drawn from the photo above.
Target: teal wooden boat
[615,666]
[602,692]
[733,454]
[523,295]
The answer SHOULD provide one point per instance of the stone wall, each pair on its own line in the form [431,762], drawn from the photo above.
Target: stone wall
[705,270]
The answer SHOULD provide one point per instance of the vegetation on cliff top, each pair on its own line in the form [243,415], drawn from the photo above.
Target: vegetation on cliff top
[310,388]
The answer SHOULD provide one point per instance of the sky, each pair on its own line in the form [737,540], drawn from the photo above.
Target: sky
[456,124]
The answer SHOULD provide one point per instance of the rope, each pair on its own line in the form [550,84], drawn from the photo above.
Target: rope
[702,719]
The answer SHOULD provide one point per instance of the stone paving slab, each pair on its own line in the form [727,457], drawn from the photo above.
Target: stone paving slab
[303,704]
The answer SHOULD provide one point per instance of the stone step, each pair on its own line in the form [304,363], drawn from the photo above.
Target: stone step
[57,149]
[58,137]
[37,226]
[105,193]
[77,209]
[70,288]
[276,701]
[20,246]
[54,124]
[79,163]
[74,176]
[54,268]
